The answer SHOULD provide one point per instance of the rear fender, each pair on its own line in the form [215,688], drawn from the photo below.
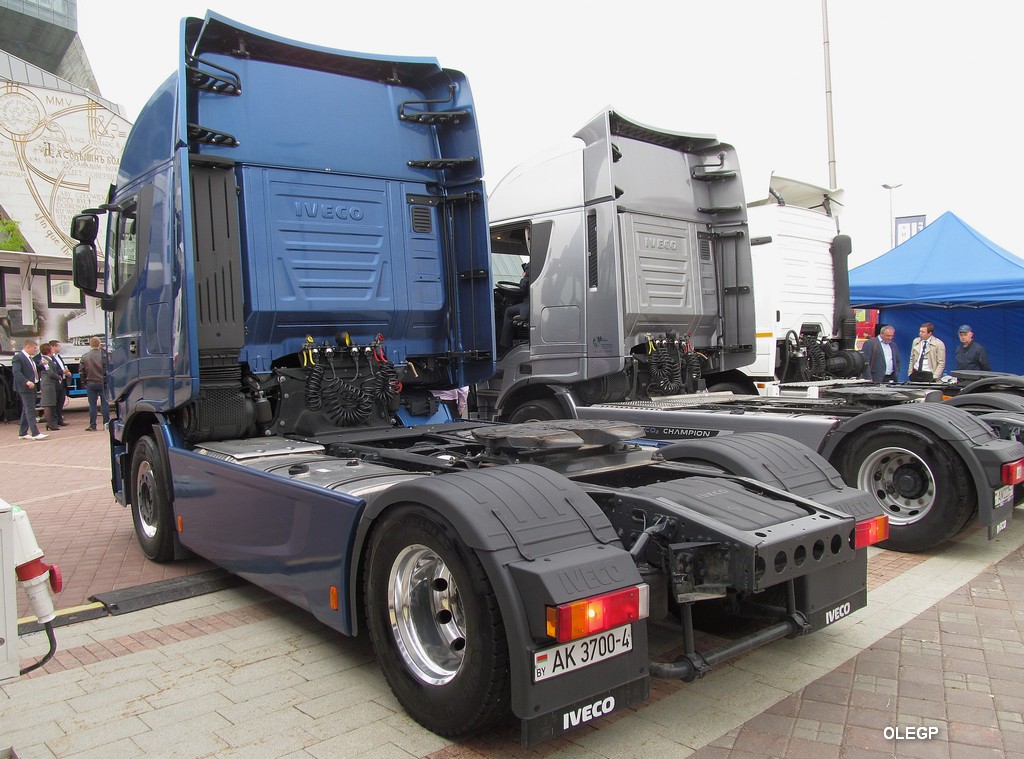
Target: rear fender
[976,400]
[525,392]
[542,541]
[780,462]
[974,441]
[1010,383]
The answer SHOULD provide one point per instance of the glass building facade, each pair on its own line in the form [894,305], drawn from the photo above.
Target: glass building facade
[44,33]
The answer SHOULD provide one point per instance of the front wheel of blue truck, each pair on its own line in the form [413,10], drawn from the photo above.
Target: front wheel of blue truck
[152,512]
[435,624]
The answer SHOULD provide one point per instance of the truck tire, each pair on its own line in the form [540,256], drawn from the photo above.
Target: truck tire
[920,483]
[540,410]
[435,624]
[152,511]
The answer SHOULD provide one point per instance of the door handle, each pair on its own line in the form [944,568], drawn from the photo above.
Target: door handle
[133,347]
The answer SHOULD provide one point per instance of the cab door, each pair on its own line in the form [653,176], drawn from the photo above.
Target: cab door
[124,276]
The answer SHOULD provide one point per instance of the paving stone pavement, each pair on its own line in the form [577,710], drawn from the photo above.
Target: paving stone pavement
[934,667]
[63,483]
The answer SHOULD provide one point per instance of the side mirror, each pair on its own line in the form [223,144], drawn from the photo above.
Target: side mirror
[85,274]
[85,270]
[84,228]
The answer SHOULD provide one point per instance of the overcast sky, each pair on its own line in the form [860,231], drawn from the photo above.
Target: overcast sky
[925,93]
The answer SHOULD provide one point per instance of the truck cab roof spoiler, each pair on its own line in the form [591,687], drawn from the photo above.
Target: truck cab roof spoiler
[219,34]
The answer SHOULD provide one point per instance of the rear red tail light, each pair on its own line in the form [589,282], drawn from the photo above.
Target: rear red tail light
[872,531]
[589,616]
[1013,472]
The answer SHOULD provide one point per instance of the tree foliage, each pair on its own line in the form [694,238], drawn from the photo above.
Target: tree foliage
[11,237]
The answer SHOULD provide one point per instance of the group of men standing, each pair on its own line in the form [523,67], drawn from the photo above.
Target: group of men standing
[50,374]
[927,355]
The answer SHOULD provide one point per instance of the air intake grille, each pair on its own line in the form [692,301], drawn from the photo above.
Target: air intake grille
[421,223]
[592,250]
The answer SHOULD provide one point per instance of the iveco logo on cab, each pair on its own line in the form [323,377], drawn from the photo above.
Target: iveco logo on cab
[658,243]
[588,712]
[837,613]
[328,211]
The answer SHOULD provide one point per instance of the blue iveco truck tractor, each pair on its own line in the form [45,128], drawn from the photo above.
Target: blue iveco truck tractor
[297,261]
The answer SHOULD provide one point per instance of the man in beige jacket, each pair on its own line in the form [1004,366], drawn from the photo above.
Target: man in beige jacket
[927,355]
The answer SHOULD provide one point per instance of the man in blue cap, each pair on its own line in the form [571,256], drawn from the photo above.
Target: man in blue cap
[971,355]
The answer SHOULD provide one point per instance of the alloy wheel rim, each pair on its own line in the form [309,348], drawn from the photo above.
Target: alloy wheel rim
[901,482]
[427,617]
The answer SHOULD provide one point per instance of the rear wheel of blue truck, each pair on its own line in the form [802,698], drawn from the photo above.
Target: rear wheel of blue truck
[920,483]
[435,624]
[152,512]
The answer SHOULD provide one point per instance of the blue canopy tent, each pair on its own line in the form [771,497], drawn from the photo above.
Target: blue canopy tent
[949,274]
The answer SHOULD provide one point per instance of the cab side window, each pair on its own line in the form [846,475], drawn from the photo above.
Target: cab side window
[128,238]
[125,240]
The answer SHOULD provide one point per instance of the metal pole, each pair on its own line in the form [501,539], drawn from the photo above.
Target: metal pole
[828,99]
[892,219]
[892,222]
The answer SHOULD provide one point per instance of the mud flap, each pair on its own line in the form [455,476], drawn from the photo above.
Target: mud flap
[998,518]
[835,592]
[593,707]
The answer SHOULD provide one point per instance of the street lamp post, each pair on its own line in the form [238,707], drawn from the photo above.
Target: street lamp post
[828,98]
[892,220]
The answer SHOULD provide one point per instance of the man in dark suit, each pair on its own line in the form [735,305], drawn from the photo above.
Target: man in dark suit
[26,379]
[62,386]
[881,356]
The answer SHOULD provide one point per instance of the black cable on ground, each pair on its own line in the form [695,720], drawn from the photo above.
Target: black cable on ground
[49,654]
